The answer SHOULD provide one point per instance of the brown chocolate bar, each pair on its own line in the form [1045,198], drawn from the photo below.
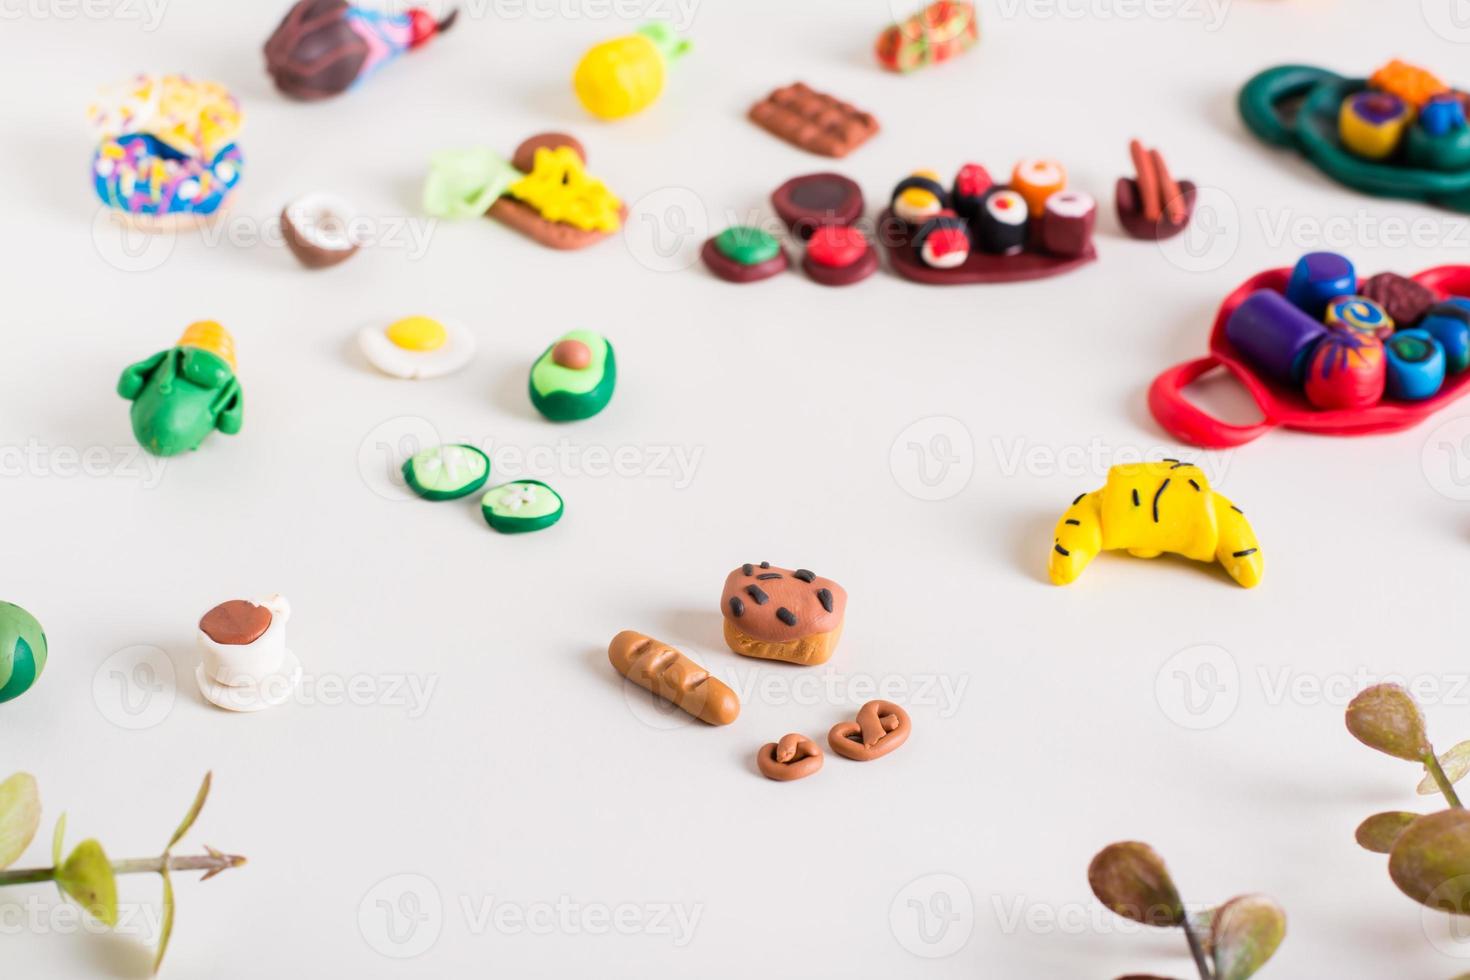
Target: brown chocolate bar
[816,122]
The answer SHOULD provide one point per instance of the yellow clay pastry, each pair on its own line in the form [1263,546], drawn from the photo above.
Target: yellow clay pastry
[1151,508]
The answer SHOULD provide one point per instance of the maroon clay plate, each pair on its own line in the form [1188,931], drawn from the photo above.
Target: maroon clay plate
[979,268]
[812,201]
[845,275]
[1130,215]
[731,271]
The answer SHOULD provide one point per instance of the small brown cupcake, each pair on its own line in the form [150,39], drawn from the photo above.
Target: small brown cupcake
[782,614]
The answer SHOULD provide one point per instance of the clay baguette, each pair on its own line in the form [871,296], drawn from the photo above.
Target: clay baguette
[666,672]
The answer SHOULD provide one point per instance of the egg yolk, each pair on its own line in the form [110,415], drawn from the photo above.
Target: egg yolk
[418,333]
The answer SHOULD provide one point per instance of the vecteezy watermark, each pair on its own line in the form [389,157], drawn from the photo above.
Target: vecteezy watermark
[1200,687]
[38,459]
[933,916]
[1446,458]
[933,458]
[384,450]
[404,915]
[1287,230]
[678,14]
[1450,19]
[148,13]
[45,913]
[1019,914]
[401,916]
[1211,238]
[940,694]
[137,687]
[666,229]
[129,248]
[1210,14]
[1090,460]
[1448,931]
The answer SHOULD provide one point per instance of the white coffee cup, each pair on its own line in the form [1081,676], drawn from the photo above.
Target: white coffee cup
[249,664]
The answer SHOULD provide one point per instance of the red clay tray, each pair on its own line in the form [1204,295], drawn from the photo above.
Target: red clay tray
[1281,404]
[980,267]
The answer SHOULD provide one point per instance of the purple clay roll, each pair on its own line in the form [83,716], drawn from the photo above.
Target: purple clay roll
[1067,222]
[1320,277]
[1274,335]
[1002,225]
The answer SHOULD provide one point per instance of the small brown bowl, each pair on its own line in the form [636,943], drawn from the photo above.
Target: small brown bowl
[1130,213]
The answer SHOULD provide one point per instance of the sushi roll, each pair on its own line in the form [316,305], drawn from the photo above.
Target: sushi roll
[1003,224]
[971,185]
[919,197]
[1416,365]
[1066,227]
[943,241]
[1036,180]
[1359,313]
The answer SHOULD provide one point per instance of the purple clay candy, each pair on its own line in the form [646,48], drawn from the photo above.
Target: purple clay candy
[1274,335]
[1067,223]
[1320,277]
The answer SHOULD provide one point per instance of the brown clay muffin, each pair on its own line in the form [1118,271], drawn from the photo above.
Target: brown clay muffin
[782,614]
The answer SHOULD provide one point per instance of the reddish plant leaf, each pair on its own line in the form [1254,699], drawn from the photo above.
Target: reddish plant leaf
[1430,861]
[1130,878]
[1385,717]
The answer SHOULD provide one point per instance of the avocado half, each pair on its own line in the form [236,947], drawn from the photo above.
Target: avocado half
[446,472]
[524,505]
[565,395]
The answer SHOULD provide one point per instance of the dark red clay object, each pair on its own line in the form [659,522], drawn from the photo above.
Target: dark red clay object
[731,271]
[815,201]
[839,256]
[896,236]
[1136,225]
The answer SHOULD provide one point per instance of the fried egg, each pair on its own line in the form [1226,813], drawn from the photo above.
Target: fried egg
[418,347]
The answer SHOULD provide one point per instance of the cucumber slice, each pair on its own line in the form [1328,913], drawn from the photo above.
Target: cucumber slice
[525,505]
[447,472]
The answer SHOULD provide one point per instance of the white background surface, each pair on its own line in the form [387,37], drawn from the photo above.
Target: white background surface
[1048,721]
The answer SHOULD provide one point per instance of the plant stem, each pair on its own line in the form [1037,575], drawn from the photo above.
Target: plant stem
[1196,950]
[212,864]
[1441,780]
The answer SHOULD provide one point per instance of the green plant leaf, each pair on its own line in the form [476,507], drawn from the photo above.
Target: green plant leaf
[1430,861]
[1130,878]
[1245,934]
[1456,766]
[20,815]
[1379,832]
[56,838]
[193,813]
[1385,717]
[87,877]
[166,930]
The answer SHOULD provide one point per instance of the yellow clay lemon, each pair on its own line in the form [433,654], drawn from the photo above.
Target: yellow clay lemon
[623,76]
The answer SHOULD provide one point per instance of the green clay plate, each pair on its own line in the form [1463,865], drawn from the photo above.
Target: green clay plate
[447,472]
[1297,106]
[525,505]
[747,245]
[565,395]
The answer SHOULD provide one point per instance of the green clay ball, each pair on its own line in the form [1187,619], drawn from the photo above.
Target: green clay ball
[525,505]
[22,651]
[447,472]
[747,245]
[1450,152]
